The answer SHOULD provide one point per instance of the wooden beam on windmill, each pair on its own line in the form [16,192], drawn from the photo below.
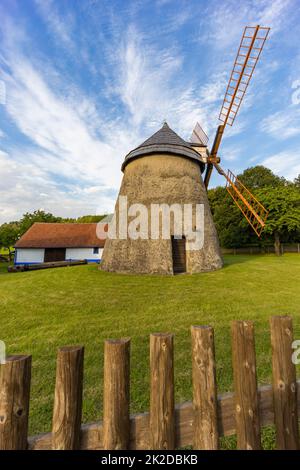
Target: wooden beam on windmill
[250,48]
[251,45]
[255,213]
[198,136]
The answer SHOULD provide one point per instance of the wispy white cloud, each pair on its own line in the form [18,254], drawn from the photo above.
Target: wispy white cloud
[62,28]
[221,33]
[231,153]
[64,144]
[72,140]
[273,13]
[283,124]
[286,163]
[52,123]
[148,84]
[226,20]
[76,137]
[26,187]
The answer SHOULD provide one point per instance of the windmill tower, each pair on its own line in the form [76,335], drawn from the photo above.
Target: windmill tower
[165,169]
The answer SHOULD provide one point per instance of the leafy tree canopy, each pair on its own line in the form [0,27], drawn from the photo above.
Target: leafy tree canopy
[283,204]
[89,219]
[297,181]
[9,234]
[29,219]
[280,197]
[259,177]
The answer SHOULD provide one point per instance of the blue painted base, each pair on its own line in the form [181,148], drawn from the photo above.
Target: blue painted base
[40,262]
[26,263]
[88,260]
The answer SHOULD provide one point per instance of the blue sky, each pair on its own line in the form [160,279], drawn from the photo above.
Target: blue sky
[82,82]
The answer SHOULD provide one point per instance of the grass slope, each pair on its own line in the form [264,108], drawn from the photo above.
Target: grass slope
[42,310]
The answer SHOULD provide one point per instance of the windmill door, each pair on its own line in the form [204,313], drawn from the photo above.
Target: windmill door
[179,255]
[54,254]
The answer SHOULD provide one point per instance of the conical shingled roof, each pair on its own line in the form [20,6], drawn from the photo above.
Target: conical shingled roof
[165,135]
[163,141]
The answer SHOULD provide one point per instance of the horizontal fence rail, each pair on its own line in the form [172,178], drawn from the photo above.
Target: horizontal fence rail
[260,249]
[199,423]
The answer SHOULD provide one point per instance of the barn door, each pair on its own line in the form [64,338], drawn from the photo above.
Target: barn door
[54,254]
[179,256]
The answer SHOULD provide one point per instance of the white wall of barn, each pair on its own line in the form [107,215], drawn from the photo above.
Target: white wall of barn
[29,255]
[36,255]
[83,253]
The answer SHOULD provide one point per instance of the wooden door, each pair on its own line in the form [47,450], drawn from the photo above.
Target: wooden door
[179,255]
[54,254]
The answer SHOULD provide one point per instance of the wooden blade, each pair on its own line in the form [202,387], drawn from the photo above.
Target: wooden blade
[252,209]
[249,52]
[213,154]
[209,169]
[198,135]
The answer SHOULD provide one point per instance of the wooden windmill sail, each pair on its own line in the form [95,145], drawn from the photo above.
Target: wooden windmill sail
[248,54]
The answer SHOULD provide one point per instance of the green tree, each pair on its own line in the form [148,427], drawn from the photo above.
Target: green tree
[89,218]
[29,219]
[297,181]
[9,234]
[259,176]
[274,192]
[283,204]
[227,218]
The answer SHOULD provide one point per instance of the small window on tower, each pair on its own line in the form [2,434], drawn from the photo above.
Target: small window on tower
[96,251]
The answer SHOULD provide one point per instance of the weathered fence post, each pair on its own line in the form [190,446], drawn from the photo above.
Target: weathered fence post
[116,424]
[205,430]
[67,409]
[284,383]
[245,386]
[162,418]
[15,377]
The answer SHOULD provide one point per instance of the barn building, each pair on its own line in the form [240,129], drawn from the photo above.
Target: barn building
[165,169]
[48,242]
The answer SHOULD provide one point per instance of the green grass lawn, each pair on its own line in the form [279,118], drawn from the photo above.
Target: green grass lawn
[43,310]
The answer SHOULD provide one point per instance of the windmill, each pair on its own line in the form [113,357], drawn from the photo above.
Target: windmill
[167,170]
[248,54]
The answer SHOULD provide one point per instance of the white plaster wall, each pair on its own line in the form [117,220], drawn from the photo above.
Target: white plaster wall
[30,255]
[83,253]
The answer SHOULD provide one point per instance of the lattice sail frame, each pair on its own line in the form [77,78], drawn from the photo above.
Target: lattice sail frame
[251,45]
[250,48]
[253,210]
[198,135]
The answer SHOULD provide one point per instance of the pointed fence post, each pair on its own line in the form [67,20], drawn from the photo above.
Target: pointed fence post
[15,376]
[67,409]
[245,386]
[206,436]
[116,422]
[284,383]
[162,417]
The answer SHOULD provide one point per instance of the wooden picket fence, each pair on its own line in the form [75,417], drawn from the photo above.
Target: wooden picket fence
[262,249]
[200,423]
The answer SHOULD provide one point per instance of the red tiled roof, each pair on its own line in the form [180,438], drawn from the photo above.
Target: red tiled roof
[56,235]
